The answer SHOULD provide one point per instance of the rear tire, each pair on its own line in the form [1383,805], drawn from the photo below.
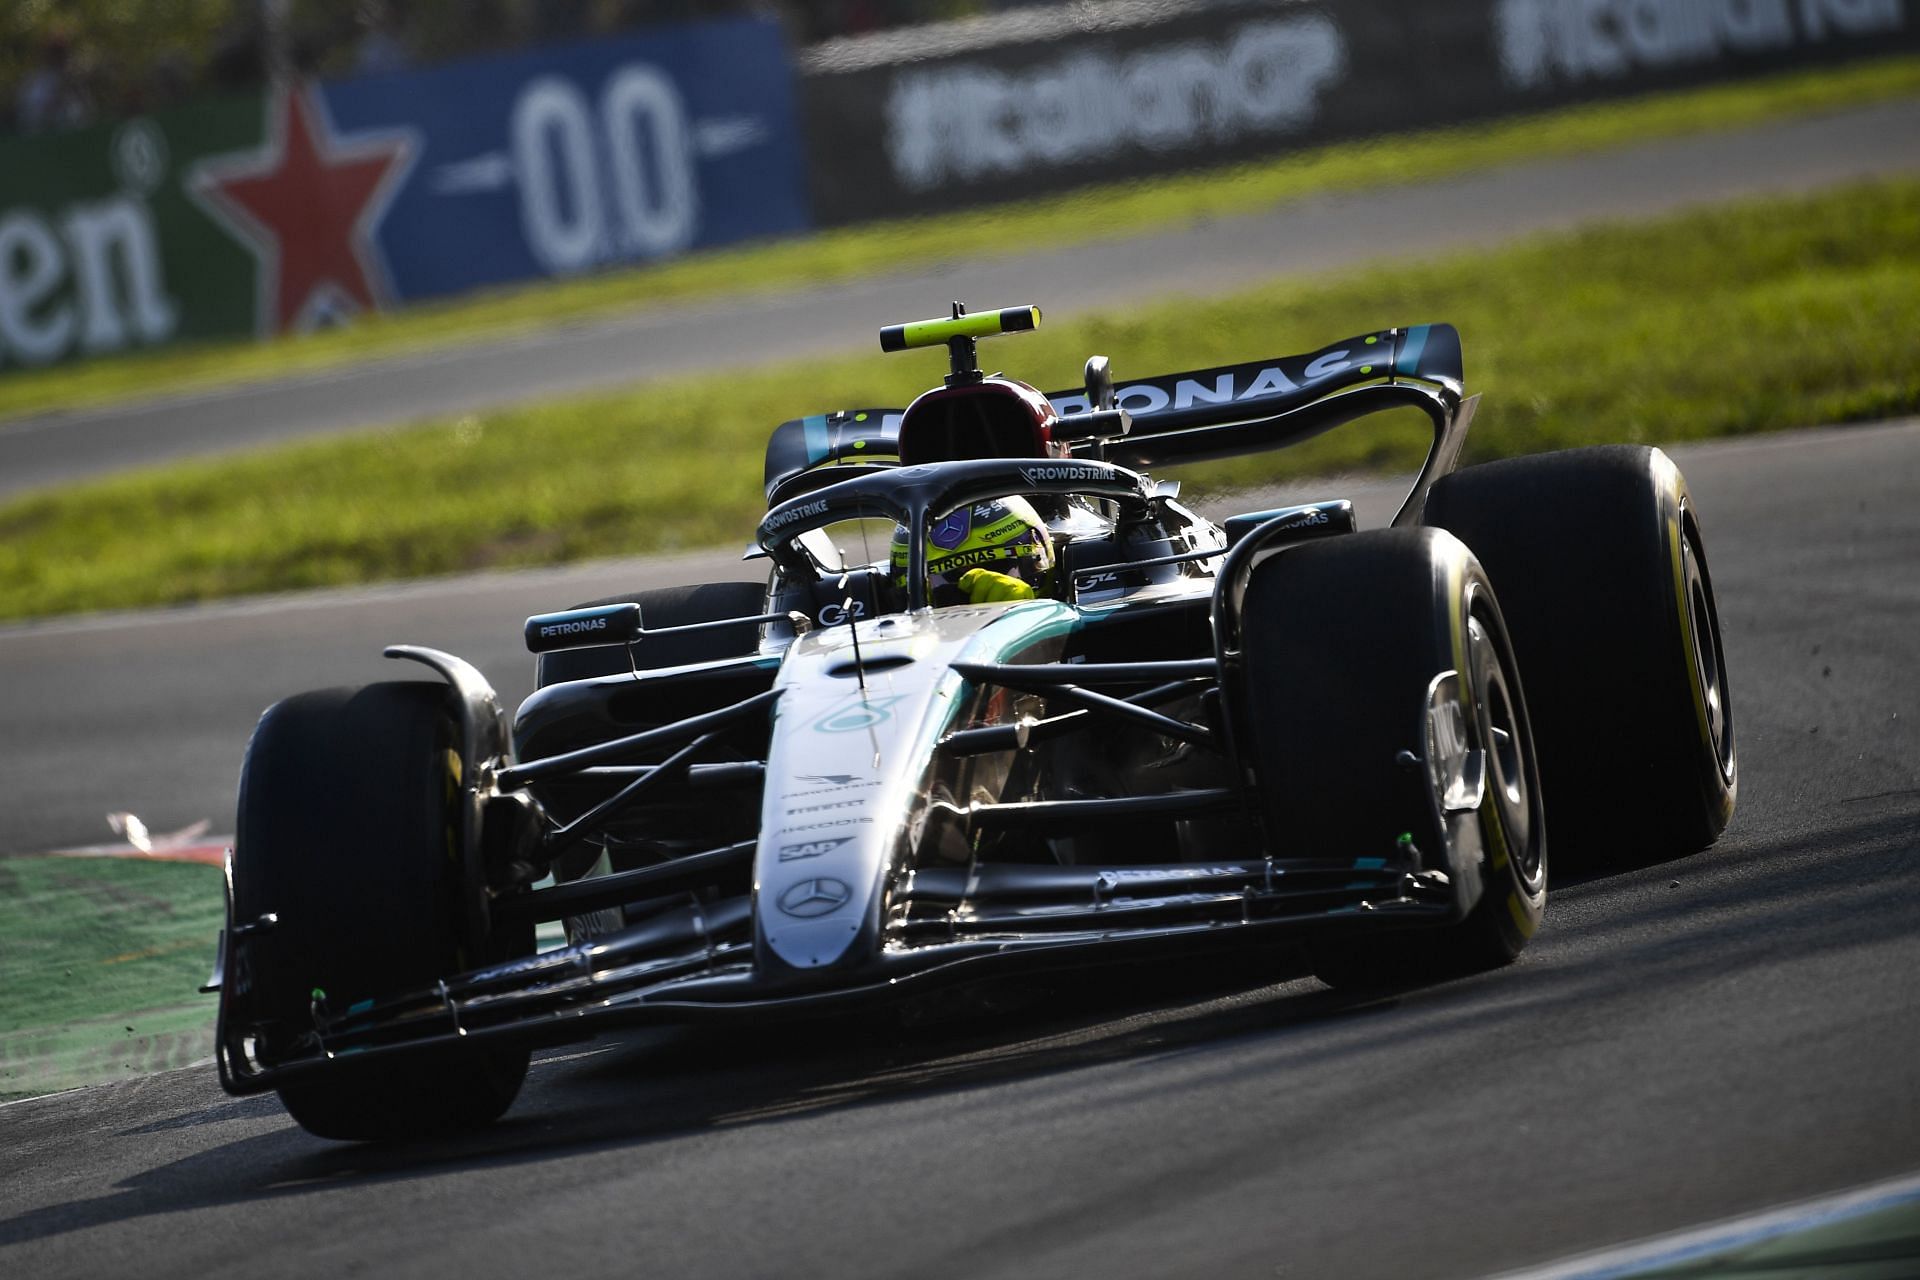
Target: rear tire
[1344,639]
[1602,574]
[666,607]
[347,833]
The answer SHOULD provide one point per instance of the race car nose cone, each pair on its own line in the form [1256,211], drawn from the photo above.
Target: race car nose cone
[813,944]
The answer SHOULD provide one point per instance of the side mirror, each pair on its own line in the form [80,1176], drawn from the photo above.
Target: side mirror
[825,552]
[1099,383]
[583,628]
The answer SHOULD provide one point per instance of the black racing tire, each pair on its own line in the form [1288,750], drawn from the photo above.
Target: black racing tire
[346,833]
[1602,574]
[666,607]
[1343,640]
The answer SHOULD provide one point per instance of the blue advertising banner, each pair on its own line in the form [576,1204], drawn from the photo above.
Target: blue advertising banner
[560,160]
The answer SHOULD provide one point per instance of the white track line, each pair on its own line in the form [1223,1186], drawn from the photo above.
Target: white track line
[1704,1242]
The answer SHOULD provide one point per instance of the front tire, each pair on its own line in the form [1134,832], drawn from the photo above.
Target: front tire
[347,833]
[1344,639]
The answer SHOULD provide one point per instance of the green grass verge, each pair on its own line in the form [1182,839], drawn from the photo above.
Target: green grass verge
[1746,318]
[1093,213]
[102,958]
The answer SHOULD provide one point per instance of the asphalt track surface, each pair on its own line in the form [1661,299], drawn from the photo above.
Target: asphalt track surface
[1320,234]
[1685,1041]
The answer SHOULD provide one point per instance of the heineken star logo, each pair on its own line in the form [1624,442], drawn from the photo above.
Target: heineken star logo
[307,204]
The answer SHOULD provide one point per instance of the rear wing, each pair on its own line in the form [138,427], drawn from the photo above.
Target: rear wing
[1178,417]
[1262,388]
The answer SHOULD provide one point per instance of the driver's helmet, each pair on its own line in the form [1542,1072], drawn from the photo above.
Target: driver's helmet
[1003,536]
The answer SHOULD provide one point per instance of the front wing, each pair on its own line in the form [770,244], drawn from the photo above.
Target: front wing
[695,963]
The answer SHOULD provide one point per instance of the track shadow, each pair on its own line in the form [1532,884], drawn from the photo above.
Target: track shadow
[1829,890]
[646,1087]
[1587,868]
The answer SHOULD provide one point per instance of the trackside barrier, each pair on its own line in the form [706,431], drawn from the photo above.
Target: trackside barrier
[1049,99]
[300,206]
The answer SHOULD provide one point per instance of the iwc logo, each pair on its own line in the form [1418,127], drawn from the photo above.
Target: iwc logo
[817,897]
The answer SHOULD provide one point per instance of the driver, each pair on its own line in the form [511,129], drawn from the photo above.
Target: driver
[982,553]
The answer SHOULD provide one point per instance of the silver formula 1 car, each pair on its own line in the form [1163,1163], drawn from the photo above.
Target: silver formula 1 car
[1001,704]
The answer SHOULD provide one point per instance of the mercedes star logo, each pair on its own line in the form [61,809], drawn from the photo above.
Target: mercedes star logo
[815,897]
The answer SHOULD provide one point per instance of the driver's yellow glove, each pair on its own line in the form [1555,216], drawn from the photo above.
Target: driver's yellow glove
[984,586]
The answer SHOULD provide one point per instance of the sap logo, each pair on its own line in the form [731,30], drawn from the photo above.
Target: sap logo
[810,848]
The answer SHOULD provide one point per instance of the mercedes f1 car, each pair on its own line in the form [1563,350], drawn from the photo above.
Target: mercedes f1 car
[851,783]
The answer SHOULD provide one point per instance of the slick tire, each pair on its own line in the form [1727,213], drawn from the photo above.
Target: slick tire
[346,834]
[1343,640]
[1602,575]
[666,607]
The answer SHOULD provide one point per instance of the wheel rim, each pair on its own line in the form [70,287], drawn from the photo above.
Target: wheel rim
[1512,779]
[1709,661]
